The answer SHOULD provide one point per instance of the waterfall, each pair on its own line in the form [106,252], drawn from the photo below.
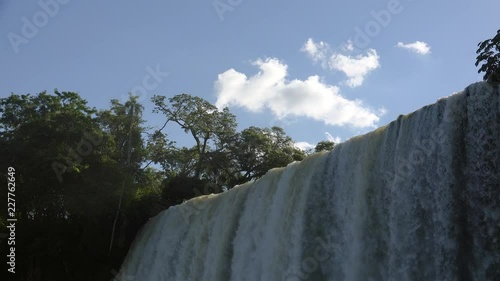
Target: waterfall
[418,199]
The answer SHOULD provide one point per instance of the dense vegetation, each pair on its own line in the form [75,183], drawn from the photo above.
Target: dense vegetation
[87,179]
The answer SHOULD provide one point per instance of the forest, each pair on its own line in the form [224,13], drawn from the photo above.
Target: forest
[80,182]
[85,180]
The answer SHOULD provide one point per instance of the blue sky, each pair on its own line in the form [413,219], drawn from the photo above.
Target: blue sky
[319,69]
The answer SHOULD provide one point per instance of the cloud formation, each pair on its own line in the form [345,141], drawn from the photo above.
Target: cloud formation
[329,137]
[418,47]
[318,52]
[305,146]
[269,89]
[354,67]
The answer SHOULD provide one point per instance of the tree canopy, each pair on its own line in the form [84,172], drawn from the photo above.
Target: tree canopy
[324,146]
[89,179]
[489,55]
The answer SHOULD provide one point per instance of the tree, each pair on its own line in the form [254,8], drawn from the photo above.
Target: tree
[257,150]
[123,122]
[60,155]
[44,137]
[83,174]
[489,53]
[75,165]
[324,146]
[221,157]
[206,124]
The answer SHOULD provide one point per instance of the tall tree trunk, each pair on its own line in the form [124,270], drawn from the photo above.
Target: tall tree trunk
[124,180]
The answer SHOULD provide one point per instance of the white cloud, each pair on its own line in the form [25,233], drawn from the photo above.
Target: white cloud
[329,137]
[316,51]
[349,46]
[418,47]
[355,67]
[310,98]
[305,146]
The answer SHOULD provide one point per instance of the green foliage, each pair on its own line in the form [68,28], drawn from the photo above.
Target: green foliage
[37,131]
[202,120]
[324,146]
[220,156]
[85,185]
[61,212]
[489,54]
[70,166]
[124,123]
[258,150]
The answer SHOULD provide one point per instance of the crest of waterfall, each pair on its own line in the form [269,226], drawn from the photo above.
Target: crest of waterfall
[418,199]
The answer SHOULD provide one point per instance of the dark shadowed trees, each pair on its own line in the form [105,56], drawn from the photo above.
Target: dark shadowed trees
[489,55]
[85,186]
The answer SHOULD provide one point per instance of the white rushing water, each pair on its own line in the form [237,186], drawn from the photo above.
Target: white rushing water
[418,199]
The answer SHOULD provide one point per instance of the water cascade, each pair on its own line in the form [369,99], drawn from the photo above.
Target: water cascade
[418,199]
